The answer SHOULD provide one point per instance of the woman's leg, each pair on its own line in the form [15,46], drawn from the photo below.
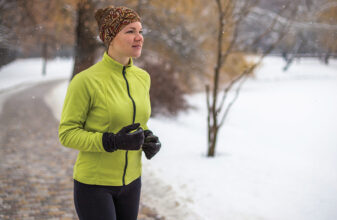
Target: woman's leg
[127,201]
[93,202]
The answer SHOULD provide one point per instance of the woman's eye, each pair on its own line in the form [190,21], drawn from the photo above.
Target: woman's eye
[131,32]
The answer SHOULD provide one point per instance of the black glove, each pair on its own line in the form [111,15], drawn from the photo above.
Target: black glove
[124,140]
[151,144]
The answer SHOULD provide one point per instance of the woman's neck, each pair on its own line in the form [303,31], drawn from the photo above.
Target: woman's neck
[120,59]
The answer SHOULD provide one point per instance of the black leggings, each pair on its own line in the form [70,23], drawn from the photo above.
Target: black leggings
[94,202]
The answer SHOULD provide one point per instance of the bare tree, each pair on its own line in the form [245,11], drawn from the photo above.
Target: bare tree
[231,13]
[85,34]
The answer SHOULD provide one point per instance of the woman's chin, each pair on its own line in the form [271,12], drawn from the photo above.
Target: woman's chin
[136,55]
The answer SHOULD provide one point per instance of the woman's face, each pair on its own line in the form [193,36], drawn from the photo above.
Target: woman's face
[129,41]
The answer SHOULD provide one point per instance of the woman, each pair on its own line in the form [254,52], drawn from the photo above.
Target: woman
[103,106]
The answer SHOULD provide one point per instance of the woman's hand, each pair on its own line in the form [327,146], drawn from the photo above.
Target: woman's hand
[124,140]
[151,144]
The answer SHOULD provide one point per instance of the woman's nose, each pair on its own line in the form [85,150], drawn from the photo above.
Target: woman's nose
[139,37]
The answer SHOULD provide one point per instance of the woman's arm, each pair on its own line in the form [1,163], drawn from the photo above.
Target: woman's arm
[75,110]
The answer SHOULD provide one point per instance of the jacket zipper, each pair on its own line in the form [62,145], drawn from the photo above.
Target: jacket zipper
[133,121]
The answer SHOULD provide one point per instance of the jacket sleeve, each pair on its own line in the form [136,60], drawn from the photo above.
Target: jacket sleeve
[75,109]
[148,84]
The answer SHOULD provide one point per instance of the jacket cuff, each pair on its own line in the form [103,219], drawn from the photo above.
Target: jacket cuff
[108,141]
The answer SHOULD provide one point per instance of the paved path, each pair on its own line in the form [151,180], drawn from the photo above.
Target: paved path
[35,170]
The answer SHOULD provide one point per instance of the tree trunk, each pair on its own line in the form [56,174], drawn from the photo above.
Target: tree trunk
[212,141]
[209,132]
[213,128]
[44,57]
[86,45]
[327,56]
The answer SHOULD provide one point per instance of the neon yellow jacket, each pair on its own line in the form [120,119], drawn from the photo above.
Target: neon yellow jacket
[98,101]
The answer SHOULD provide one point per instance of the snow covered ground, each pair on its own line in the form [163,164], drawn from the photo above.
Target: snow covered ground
[24,73]
[276,154]
[29,71]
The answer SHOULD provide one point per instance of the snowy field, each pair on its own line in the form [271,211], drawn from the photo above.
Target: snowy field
[276,154]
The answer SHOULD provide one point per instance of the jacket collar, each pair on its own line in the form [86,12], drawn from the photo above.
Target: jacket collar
[113,64]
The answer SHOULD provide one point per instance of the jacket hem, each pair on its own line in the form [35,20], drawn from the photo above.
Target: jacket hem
[91,181]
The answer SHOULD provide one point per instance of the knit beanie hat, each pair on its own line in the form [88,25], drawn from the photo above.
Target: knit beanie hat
[112,20]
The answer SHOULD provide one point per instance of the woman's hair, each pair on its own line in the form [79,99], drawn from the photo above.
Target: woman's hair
[112,20]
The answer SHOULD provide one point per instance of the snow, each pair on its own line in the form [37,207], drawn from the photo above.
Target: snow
[276,154]
[24,73]
[29,71]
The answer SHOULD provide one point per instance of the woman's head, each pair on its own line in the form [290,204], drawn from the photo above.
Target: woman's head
[120,29]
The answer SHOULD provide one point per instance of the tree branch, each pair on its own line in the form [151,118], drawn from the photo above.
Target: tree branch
[233,100]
